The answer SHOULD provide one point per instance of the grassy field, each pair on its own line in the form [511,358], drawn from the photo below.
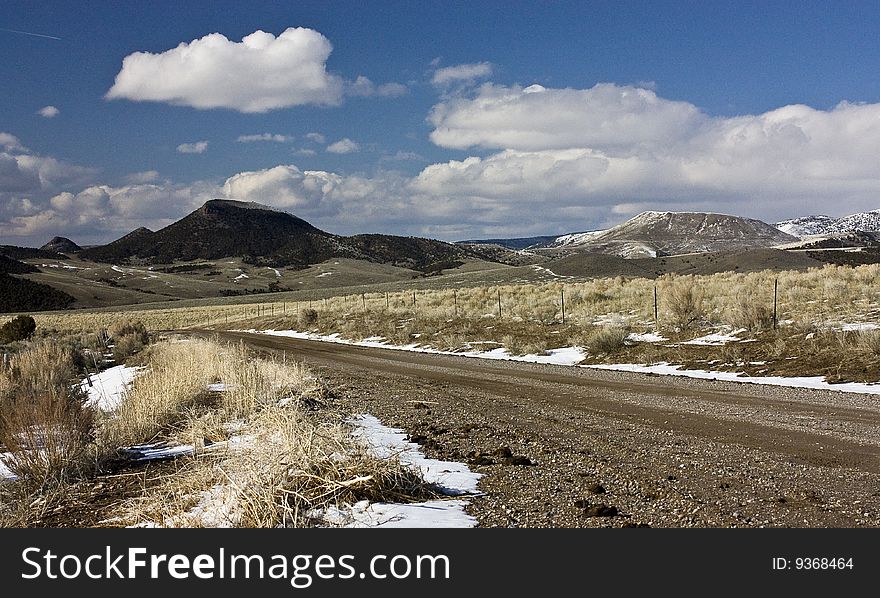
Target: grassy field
[815,311]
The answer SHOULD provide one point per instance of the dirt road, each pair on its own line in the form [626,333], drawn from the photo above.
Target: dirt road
[566,446]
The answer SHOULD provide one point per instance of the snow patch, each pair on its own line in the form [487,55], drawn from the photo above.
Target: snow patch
[717,339]
[5,473]
[648,337]
[455,479]
[814,382]
[108,388]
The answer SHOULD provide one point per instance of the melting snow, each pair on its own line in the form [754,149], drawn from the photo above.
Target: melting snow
[717,339]
[859,326]
[5,473]
[814,382]
[455,479]
[109,387]
[648,337]
[323,274]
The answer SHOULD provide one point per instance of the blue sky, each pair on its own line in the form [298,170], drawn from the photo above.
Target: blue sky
[764,109]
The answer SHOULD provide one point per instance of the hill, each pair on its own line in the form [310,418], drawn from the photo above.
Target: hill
[261,235]
[61,245]
[653,234]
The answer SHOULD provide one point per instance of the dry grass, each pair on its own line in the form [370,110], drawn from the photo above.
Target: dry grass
[44,423]
[261,460]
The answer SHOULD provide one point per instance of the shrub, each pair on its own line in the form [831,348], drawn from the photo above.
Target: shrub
[129,337]
[18,328]
[685,301]
[750,314]
[307,317]
[869,341]
[606,339]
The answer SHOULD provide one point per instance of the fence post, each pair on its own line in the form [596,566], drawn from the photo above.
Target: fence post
[364,301]
[563,306]
[656,322]
[775,295]
[455,301]
[499,304]
[414,298]
[386,299]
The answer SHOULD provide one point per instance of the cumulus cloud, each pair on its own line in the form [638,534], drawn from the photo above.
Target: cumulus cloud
[198,147]
[258,74]
[99,213]
[343,146]
[276,138]
[316,137]
[10,142]
[48,111]
[23,171]
[607,117]
[461,73]
[618,149]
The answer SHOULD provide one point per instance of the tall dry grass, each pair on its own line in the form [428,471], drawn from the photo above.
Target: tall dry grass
[45,426]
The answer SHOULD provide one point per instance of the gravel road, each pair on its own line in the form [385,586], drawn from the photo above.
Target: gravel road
[576,447]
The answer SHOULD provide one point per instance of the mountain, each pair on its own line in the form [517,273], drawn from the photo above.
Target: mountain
[826,225]
[652,234]
[264,236]
[806,226]
[61,245]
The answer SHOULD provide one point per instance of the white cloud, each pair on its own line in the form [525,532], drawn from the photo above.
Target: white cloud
[343,146]
[619,149]
[48,111]
[461,73]
[146,176]
[10,142]
[363,87]
[276,138]
[305,152]
[258,74]
[607,117]
[198,147]
[316,137]
[100,213]
[24,172]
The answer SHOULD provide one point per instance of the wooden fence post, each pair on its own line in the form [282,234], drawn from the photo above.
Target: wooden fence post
[563,306]
[775,295]
[656,318]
